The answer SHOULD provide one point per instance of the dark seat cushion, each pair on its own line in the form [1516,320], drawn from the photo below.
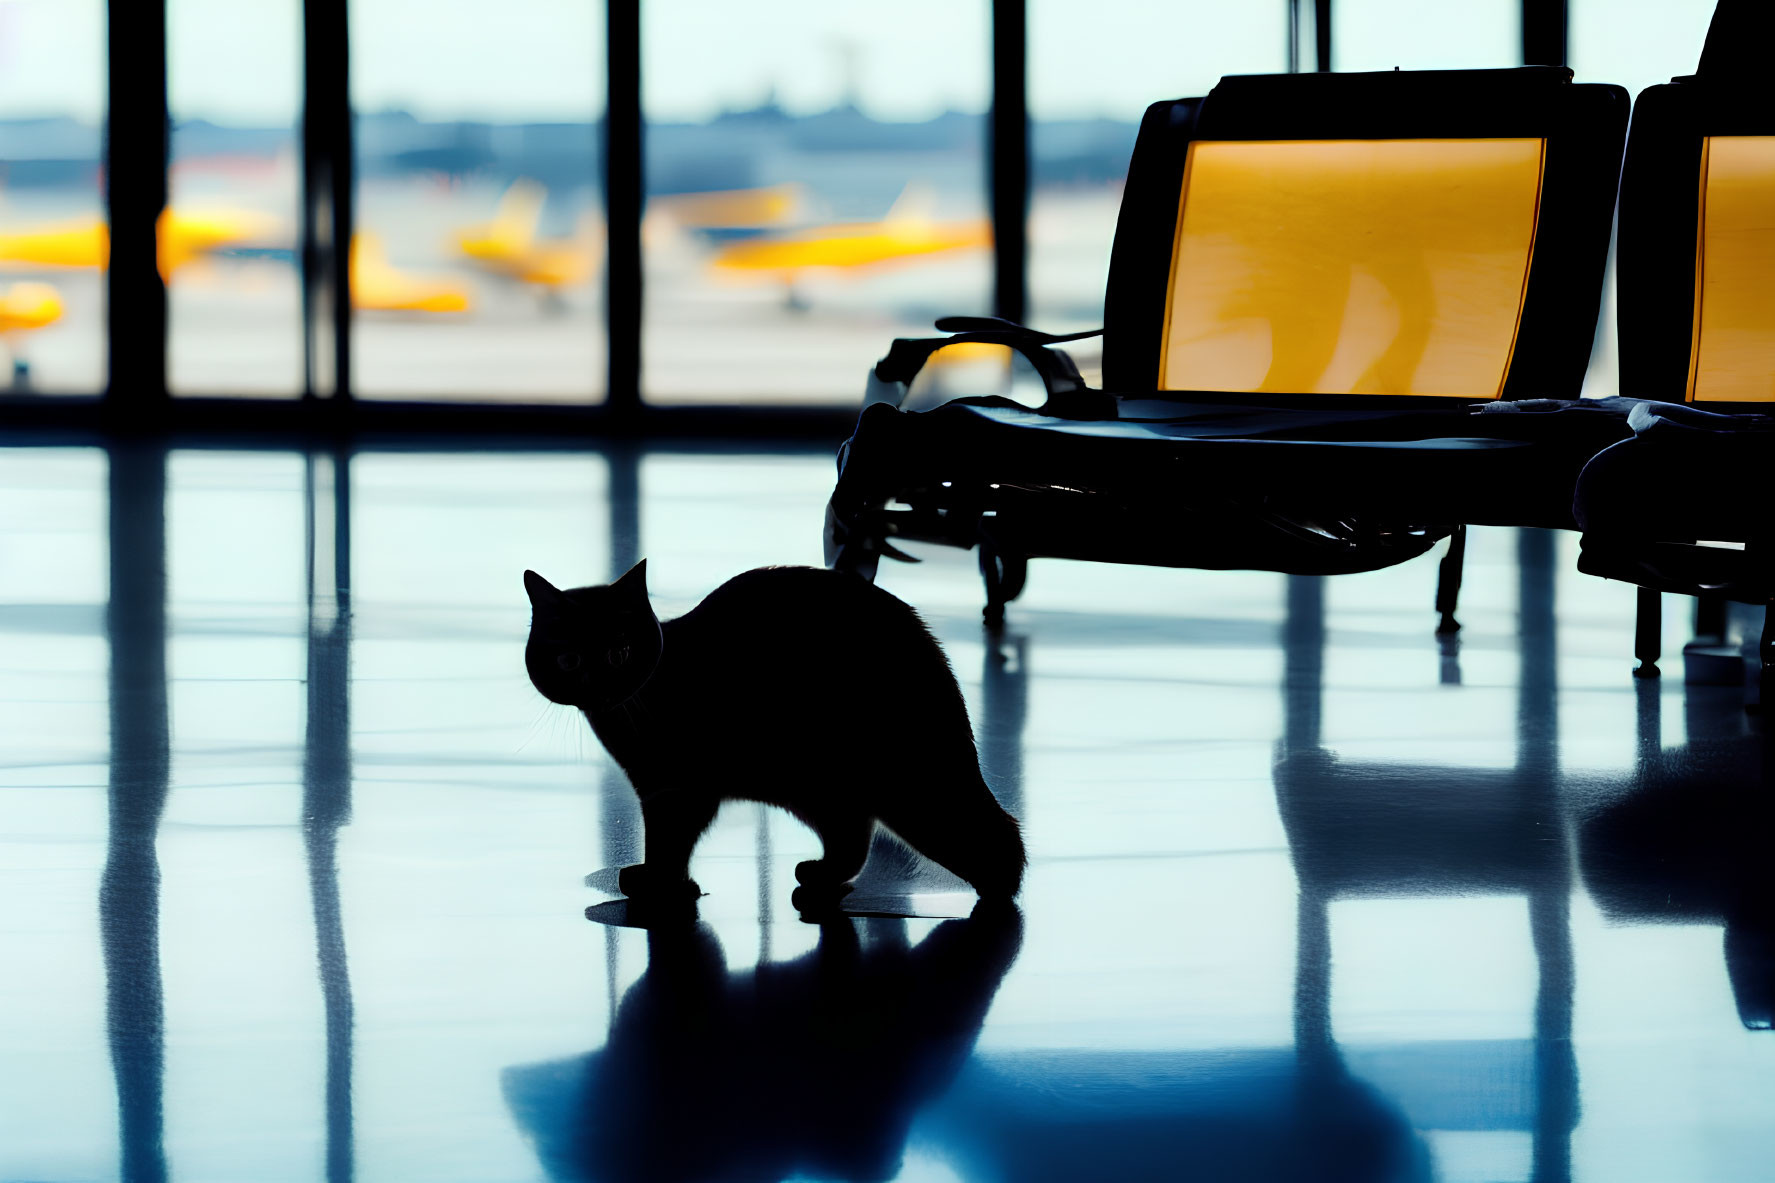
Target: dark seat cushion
[1649,505]
[1406,463]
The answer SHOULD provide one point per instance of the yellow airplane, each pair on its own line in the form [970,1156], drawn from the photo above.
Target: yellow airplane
[25,308]
[512,229]
[184,236]
[556,263]
[730,209]
[188,235]
[508,246]
[908,232]
[84,243]
[378,286]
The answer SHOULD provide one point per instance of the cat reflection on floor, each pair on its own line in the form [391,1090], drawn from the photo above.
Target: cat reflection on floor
[808,689]
[813,1067]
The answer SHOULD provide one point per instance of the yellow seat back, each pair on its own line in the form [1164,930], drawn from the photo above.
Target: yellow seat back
[1732,358]
[1382,267]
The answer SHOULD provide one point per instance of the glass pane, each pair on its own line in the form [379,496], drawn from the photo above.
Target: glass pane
[477,263]
[1084,121]
[1409,35]
[816,180]
[53,237]
[1636,44]
[228,245]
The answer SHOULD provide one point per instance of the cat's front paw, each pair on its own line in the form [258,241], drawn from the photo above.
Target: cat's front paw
[641,882]
[817,905]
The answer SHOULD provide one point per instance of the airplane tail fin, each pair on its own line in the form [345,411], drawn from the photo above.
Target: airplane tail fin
[915,206]
[518,214]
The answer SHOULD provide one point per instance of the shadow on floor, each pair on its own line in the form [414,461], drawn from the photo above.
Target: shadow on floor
[815,1066]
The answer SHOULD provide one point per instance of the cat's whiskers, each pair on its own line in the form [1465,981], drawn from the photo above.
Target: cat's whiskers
[640,715]
[563,725]
[628,707]
[536,723]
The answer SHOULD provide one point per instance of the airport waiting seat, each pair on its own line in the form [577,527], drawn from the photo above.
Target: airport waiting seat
[1681,506]
[1314,279]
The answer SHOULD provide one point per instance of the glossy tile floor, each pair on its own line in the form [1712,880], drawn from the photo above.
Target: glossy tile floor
[294,885]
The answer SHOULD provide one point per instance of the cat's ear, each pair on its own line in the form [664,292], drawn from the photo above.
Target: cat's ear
[543,594]
[634,581]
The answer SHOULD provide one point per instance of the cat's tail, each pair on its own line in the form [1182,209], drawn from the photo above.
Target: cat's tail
[970,835]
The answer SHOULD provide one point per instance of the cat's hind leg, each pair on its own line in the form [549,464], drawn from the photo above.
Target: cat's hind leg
[845,837]
[965,831]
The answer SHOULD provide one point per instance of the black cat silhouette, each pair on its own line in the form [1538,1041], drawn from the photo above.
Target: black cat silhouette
[809,689]
[813,1067]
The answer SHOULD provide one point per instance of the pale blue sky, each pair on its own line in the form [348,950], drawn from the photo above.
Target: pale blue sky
[239,60]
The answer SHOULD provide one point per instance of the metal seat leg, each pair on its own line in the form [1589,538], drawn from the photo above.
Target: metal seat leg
[1448,582]
[1647,632]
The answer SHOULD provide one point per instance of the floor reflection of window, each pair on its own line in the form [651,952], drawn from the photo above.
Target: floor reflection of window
[1447,968]
[53,664]
[229,242]
[1461,701]
[446,727]
[816,186]
[236,935]
[1083,121]
[1431,996]
[479,245]
[462,571]
[688,498]
[53,237]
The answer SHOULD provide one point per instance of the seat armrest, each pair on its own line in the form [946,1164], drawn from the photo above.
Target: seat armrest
[1068,396]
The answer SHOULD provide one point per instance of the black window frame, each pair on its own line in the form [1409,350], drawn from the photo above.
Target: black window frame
[136,397]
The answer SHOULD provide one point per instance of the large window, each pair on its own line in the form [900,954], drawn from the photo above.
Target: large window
[53,238]
[1635,43]
[1083,121]
[228,242]
[816,179]
[1409,35]
[816,186]
[480,232]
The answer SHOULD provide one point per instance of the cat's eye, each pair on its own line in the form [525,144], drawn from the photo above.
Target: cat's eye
[617,655]
[568,662]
